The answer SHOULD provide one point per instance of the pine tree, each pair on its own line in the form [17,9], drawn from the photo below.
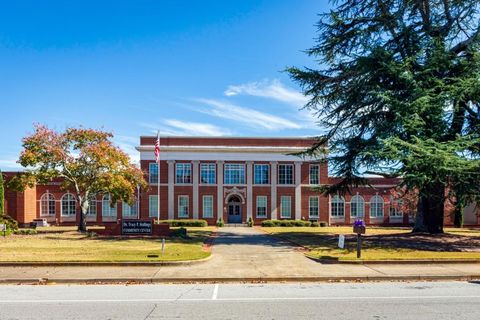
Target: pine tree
[2,194]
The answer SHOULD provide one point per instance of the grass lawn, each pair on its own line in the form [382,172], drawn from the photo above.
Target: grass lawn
[384,243]
[72,246]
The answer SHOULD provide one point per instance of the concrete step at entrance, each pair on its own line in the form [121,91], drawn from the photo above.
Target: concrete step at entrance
[236,225]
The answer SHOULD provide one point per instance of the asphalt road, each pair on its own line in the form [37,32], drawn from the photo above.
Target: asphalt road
[386,300]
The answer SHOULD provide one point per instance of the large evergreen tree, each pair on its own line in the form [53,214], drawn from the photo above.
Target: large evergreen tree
[398,87]
[2,194]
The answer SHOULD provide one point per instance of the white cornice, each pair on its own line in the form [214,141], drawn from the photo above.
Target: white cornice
[254,149]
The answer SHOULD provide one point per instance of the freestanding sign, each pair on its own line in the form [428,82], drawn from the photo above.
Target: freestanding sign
[136,227]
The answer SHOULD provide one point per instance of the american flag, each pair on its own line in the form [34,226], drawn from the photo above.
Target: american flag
[157,148]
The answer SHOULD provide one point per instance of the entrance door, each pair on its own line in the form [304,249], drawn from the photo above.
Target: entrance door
[234,210]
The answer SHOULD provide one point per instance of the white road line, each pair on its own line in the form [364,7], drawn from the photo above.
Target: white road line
[215,292]
[241,299]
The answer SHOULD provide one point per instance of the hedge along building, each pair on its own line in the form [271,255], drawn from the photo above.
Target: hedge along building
[230,178]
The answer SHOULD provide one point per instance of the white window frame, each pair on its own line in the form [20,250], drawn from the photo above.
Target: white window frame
[286,174]
[310,178]
[377,207]
[186,176]
[47,203]
[181,213]
[285,210]
[337,203]
[265,205]
[207,206]
[112,211]
[210,170]
[92,205]
[261,173]
[131,209]
[357,200]
[153,206]
[69,202]
[393,207]
[153,172]
[310,207]
[229,173]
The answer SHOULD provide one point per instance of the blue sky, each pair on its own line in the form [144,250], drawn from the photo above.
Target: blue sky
[132,67]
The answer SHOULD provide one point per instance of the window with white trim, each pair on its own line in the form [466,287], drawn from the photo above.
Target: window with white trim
[261,174]
[129,211]
[153,172]
[183,206]
[183,173]
[107,209]
[313,206]
[69,205]
[207,173]
[314,174]
[234,173]
[376,207]
[357,207]
[207,207]
[285,207]
[92,205]
[337,207]
[395,210]
[285,174]
[153,206]
[47,204]
[261,206]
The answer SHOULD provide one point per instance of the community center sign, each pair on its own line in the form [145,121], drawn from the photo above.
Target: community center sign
[136,227]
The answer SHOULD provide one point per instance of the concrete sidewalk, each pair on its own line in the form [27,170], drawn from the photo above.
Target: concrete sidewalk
[245,254]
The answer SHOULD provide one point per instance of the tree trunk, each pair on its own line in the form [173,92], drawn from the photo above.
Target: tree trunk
[82,225]
[431,209]
[458,218]
[419,225]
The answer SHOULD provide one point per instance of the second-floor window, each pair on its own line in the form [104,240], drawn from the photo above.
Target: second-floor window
[183,173]
[314,174]
[207,173]
[261,174]
[285,174]
[234,173]
[153,172]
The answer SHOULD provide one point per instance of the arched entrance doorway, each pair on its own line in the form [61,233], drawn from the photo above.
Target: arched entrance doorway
[234,209]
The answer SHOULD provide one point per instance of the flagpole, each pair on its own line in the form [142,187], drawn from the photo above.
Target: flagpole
[158,184]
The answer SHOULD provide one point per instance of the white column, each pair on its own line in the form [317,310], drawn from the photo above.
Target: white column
[171,185]
[220,189]
[273,190]
[249,189]
[298,190]
[195,189]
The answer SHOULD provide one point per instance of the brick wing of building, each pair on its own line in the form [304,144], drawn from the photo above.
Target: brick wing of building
[230,178]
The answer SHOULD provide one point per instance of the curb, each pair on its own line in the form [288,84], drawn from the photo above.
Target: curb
[422,262]
[238,279]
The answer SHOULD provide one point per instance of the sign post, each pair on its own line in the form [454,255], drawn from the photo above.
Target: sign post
[359,228]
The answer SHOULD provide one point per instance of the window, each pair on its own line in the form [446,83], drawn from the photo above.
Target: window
[285,174]
[92,205]
[183,206]
[314,174]
[357,207]
[285,207]
[153,206]
[376,207]
[395,208]
[261,174]
[261,206]
[234,173]
[207,173]
[208,206]
[107,209]
[129,211]
[69,205]
[183,173]
[337,207]
[47,205]
[153,172]
[313,206]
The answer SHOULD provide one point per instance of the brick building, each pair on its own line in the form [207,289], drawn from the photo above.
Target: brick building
[231,178]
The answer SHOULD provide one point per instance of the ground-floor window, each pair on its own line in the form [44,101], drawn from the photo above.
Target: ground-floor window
[357,207]
[207,206]
[395,210]
[261,206]
[92,205]
[108,209]
[69,205]
[337,207]
[285,206]
[153,206]
[129,211]
[376,207]
[313,206]
[183,206]
[47,204]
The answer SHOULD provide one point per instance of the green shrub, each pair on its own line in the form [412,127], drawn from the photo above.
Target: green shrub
[185,223]
[180,232]
[314,224]
[25,231]
[250,222]
[323,224]
[11,223]
[268,223]
[220,223]
[287,223]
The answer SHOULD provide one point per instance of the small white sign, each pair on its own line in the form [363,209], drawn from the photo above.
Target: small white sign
[341,241]
[3,227]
